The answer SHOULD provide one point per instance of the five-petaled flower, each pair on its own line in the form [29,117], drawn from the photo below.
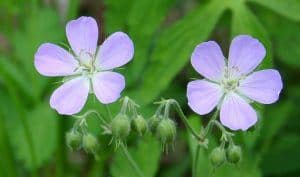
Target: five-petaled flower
[89,69]
[231,85]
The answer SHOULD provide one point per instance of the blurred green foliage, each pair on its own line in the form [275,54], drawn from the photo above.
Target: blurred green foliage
[165,33]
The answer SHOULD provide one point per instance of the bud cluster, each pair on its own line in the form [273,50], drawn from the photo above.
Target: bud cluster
[79,138]
[139,125]
[76,140]
[220,155]
[128,119]
[162,126]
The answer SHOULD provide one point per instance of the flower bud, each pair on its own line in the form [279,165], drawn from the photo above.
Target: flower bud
[73,140]
[120,126]
[139,125]
[90,143]
[166,131]
[153,123]
[217,156]
[234,154]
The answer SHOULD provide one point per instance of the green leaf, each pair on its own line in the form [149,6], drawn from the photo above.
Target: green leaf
[275,118]
[174,47]
[146,154]
[287,8]
[284,33]
[177,169]
[116,14]
[283,157]
[143,34]
[42,123]
[7,162]
[37,127]
[11,73]
[245,22]
[73,9]
[26,42]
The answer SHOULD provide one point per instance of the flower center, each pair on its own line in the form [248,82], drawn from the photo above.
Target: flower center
[229,85]
[87,63]
[230,81]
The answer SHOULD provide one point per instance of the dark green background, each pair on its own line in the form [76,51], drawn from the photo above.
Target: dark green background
[165,33]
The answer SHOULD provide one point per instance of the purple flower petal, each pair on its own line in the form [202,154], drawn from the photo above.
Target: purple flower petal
[203,96]
[52,60]
[208,60]
[82,35]
[236,113]
[70,97]
[115,51]
[108,86]
[262,86]
[245,54]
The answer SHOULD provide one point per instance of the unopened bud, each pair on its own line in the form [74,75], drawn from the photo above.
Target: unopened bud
[166,131]
[234,154]
[217,156]
[153,123]
[90,143]
[139,125]
[120,126]
[73,140]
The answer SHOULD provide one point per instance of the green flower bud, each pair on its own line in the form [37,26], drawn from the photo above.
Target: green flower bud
[217,156]
[153,123]
[139,125]
[166,131]
[234,154]
[120,126]
[73,140]
[90,143]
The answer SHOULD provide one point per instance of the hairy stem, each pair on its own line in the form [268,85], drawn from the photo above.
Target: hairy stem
[125,151]
[185,120]
[108,112]
[210,123]
[131,161]
[124,105]
[93,112]
[225,134]
[195,161]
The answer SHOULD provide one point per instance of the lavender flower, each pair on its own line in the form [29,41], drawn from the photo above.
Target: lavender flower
[231,85]
[88,70]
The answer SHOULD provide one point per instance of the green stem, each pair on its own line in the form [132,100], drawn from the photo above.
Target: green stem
[132,162]
[195,161]
[127,154]
[210,123]
[159,109]
[167,109]
[200,137]
[185,121]
[124,105]
[108,112]
[225,133]
[84,116]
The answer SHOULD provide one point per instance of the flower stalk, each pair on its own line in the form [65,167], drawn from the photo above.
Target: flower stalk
[131,161]
[201,136]
[195,161]
[123,147]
